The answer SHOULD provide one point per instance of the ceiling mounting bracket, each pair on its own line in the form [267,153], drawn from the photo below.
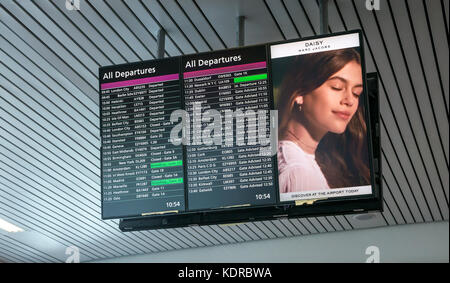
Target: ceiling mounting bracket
[240,31]
[323,6]
[161,40]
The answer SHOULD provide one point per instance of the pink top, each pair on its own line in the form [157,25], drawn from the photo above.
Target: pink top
[298,170]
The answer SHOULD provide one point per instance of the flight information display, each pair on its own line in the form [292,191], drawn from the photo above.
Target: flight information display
[227,171]
[263,129]
[142,169]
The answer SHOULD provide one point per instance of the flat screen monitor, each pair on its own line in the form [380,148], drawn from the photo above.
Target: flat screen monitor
[252,133]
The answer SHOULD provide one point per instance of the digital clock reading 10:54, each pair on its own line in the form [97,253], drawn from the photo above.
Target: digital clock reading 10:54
[262,196]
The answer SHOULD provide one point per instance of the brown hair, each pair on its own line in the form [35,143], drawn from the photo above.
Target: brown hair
[343,158]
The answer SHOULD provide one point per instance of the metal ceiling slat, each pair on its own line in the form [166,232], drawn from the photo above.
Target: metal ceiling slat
[13,133]
[15,128]
[274,229]
[388,214]
[24,146]
[445,14]
[188,240]
[41,227]
[11,102]
[195,237]
[200,230]
[266,231]
[334,223]
[32,208]
[325,223]
[35,91]
[344,222]
[14,256]
[291,227]
[419,20]
[209,23]
[318,225]
[183,11]
[45,38]
[220,230]
[286,10]
[408,172]
[312,11]
[24,246]
[242,234]
[45,221]
[257,230]
[214,234]
[172,20]
[95,17]
[51,55]
[392,203]
[49,23]
[399,195]
[17,97]
[281,227]
[132,15]
[77,34]
[58,81]
[26,254]
[299,226]
[163,240]
[436,30]
[249,232]
[379,46]
[12,150]
[79,120]
[41,25]
[185,24]
[441,159]
[152,24]
[142,237]
[312,226]
[96,222]
[126,18]
[227,229]
[356,23]
[274,19]
[85,27]
[154,8]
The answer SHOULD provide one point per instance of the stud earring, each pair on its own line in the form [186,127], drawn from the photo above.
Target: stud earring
[300,108]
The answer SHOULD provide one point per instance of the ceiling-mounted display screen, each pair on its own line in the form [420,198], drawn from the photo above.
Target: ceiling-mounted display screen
[323,148]
[238,134]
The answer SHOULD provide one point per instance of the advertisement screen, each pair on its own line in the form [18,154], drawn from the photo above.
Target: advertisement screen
[323,149]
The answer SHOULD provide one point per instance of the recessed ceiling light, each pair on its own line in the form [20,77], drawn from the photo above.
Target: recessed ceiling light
[364,216]
[8,227]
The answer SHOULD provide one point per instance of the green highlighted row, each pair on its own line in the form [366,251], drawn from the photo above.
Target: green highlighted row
[250,78]
[167,182]
[166,164]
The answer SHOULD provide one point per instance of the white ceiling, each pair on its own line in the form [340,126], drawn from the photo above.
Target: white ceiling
[49,114]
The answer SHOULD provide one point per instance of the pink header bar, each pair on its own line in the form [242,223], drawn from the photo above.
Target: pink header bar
[237,68]
[148,80]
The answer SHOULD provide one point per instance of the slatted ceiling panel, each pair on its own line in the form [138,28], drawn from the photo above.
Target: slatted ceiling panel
[28,250]
[50,56]
[127,17]
[437,26]
[24,54]
[421,23]
[185,24]
[433,81]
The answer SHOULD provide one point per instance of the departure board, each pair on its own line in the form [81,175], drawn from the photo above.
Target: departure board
[142,169]
[229,172]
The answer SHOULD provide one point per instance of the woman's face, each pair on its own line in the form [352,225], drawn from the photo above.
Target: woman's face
[330,107]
